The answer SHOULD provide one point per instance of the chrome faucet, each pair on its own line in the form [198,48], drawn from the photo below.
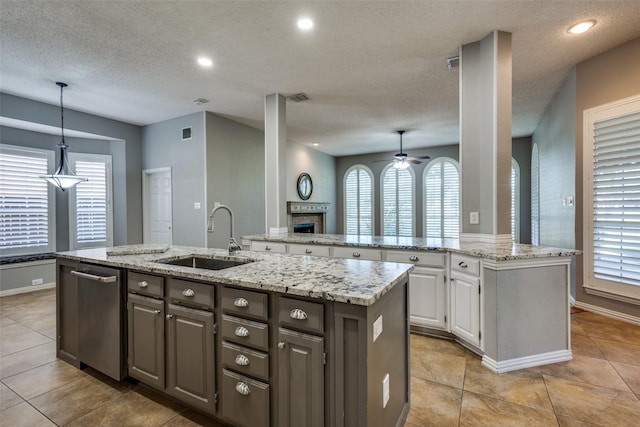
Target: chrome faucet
[234,246]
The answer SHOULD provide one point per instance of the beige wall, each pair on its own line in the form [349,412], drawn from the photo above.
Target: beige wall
[610,76]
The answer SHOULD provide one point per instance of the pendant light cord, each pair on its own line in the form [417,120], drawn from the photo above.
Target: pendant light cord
[62,86]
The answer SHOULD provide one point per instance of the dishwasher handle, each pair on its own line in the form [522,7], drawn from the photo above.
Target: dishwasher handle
[102,279]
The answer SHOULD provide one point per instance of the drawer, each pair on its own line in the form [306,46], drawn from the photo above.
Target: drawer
[193,294]
[145,284]
[314,250]
[357,253]
[245,332]
[278,248]
[245,402]
[425,259]
[245,303]
[465,264]
[304,315]
[245,361]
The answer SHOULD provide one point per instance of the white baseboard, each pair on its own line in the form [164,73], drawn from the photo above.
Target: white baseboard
[26,289]
[527,361]
[608,313]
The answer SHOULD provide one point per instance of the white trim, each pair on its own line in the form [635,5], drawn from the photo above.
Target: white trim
[486,238]
[278,230]
[27,289]
[526,263]
[618,296]
[526,361]
[145,200]
[623,317]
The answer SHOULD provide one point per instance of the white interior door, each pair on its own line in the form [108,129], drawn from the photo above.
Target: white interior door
[157,214]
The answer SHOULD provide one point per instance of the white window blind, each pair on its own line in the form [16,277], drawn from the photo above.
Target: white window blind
[358,201]
[616,199]
[515,201]
[26,201]
[90,202]
[442,199]
[535,193]
[397,201]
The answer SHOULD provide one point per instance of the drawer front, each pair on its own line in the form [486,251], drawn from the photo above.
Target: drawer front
[357,253]
[191,293]
[278,248]
[245,402]
[314,250]
[465,264]
[425,259]
[245,361]
[303,315]
[145,284]
[245,303]
[245,332]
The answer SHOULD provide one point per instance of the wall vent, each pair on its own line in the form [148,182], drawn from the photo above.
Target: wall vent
[298,97]
[186,133]
[453,62]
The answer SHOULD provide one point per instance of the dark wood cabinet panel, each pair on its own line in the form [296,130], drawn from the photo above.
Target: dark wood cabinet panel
[146,340]
[67,312]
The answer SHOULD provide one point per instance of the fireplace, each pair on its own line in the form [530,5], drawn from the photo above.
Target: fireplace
[304,228]
[307,217]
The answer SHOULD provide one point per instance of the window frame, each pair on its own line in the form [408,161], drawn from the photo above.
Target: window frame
[425,173]
[369,172]
[413,200]
[535,195]
[515,201]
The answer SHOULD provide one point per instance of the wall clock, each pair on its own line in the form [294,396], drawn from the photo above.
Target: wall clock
[305,186]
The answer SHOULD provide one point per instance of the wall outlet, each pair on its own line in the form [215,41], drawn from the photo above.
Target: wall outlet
[474,218]
[196,205]
[385,391]
[377,328]
[35,282]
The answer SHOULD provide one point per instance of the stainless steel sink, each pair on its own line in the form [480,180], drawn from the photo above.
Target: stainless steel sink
[205,263]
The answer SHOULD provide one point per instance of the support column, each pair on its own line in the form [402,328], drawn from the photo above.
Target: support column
[275,159]
[485,138]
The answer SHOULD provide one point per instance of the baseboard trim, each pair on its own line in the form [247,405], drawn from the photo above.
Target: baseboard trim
[27,289]
[608,313]
[527,361]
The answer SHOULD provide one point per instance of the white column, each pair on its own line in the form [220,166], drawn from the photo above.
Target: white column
[275,159]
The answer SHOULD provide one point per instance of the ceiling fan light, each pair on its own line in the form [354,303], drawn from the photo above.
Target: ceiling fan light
[401,164]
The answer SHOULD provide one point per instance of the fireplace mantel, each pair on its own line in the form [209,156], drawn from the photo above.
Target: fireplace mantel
[307,212]
[307,207]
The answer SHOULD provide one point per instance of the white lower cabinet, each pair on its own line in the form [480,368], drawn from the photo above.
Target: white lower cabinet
[428,298]
[465,304]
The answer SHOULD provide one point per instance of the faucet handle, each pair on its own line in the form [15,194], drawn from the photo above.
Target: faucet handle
[234,246]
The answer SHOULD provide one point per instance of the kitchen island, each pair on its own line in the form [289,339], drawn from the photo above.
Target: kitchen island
[254,339]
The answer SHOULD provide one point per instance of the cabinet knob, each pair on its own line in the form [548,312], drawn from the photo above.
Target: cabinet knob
[143,284]
[188,292]
[462,264]
[241,331]
[267,248]
[242,388]
[156,311]
[298,314]
[356,254]
[414,258]
[241,302]
[242,360]
[308,251]
[169,316]
[281,345]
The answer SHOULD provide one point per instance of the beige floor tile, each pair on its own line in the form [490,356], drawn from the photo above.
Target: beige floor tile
[23,415]
[620,351]
[24,360]
[570,422]
[602,327]
[8,398]
[438,368]
[576,329]
[423,343]
[433,404]
[16,337]
[195,419]
[480,411]
[43,379]
[584,346]
[593,404]
[587,370]
[630,374]
[524,387]
[44,324]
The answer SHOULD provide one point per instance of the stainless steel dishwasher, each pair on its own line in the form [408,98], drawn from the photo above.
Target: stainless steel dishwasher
[101,319]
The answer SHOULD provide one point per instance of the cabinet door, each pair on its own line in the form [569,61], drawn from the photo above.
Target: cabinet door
[300,379]
[146,340]
[465,308]
[67,313]
[427,297]
[190,356]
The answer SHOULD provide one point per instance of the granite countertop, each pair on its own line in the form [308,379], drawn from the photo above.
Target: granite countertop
[349,281]
[492,251]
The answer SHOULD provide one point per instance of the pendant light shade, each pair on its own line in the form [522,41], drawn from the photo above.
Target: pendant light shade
[63,178]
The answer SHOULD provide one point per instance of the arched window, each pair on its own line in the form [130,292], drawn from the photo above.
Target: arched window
[442,199]
[358,200]
[515,201]
[397,201]
[535,196]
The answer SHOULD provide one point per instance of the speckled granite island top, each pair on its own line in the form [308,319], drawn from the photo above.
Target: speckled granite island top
[493,251]
[342,280]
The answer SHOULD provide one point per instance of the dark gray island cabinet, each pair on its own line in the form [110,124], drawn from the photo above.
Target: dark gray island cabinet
[279,341]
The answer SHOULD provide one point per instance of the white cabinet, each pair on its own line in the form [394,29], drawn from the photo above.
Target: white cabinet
[313,250]
[465,298]
[357,253]
[278,248]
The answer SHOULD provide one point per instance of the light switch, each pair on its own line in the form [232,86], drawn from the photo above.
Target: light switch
[196,205]
[377,328]
[385,391]
[474,218]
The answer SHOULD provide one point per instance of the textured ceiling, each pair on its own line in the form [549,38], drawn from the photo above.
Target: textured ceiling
[370,68]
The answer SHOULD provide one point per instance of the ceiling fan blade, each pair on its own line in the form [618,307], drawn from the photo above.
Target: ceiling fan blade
[414,161]
[422,157]
[383,160]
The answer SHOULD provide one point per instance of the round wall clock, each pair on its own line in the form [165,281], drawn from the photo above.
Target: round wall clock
[305,186]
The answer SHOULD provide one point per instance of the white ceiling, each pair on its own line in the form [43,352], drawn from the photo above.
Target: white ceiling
[370,68]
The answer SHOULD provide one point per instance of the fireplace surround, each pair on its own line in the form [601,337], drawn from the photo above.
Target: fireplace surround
[305,213]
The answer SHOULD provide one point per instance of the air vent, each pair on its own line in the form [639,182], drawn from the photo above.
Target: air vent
[298,97]
[453,62]
[186,133]
[200,101]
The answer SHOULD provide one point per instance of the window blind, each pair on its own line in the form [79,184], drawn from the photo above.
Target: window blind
[616,199]
[515,201]
[358,201]
[442,200]
[535,204]
[397,202]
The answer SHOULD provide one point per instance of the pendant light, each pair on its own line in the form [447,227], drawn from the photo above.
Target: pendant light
[63,178]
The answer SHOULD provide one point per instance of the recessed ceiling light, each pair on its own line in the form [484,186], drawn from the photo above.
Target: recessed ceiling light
[305,24]
[582,27]
[315,144]
[205,62]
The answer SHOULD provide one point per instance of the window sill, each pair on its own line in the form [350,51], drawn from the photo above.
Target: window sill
[618,296]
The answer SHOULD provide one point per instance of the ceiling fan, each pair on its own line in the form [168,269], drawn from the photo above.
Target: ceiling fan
[401,160]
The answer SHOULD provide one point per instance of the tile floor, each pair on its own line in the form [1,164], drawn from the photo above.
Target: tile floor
[449,387]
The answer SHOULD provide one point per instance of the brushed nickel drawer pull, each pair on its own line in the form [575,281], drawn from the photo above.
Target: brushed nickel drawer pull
[281,345]
[241,302]
[156,311]
[462,264]
[169,316]
[143,284]
[414,258]
[242,360]
[356,254]
[267,248]
[243,388]
[298,314]
[188,292]
[241,331]
[308,251]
